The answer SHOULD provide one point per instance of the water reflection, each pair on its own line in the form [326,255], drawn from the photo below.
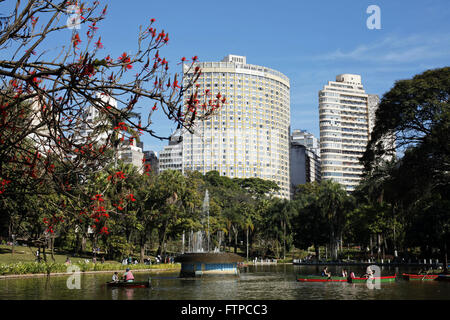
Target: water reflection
[114,293]
[272,282]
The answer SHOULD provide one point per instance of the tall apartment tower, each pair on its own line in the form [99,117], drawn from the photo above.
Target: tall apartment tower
[249,136]
[347,115]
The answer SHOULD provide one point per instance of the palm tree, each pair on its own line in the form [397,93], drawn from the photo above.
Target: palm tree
[332,202]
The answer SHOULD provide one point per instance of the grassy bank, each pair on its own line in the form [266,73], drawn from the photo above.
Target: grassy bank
[27,254]
[23,261]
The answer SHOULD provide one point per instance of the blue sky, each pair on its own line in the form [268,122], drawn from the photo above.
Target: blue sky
[309,41]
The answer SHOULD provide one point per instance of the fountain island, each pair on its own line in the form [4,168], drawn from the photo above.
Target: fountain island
[199,260]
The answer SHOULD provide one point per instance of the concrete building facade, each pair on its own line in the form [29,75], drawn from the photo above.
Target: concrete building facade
[151,158]
[304,158]
[128,152]
[171,157]
[347,115]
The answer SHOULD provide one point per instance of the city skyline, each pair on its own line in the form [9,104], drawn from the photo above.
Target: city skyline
[308,42]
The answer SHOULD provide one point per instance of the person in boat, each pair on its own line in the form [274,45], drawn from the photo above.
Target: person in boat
[325,273]
[128,276]
[115,277]
[344,273]
[352,275]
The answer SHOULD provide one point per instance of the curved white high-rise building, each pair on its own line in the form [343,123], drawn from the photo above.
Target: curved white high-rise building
[249,135]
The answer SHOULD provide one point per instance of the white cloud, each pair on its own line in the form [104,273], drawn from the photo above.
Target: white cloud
[396,49]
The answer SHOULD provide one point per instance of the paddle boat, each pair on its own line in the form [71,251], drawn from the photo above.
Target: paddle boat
[422,277]
[312,278]
[443,277]
[365,280]
[132,284]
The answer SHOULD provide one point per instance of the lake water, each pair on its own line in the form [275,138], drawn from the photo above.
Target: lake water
[269,282]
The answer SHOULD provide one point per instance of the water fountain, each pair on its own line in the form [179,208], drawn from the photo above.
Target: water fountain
[200,260]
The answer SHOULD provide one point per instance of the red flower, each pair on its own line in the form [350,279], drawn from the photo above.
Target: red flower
[119,174]
[34,21]
[98,197]
[98,44]
[125,59]
[76,40]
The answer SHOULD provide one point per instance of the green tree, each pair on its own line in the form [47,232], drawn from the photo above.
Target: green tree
[310,227]
[416,113]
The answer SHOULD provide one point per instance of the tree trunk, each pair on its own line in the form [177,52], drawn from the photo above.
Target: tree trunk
[247,243]
[83,244]
[251,241]
[371,251]
[333,245]
[142,245]
[235,241]
[52,243]
[182,243]
[445,258]
[317,251]
[77,244]
[43,254]
[378,246]
[11,236]
[284,240]
[94,248]
[162,240]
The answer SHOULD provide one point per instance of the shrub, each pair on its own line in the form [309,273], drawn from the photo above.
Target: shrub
[53,267]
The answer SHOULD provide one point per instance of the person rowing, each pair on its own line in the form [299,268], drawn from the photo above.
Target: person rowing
[128,276]
[325,273]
